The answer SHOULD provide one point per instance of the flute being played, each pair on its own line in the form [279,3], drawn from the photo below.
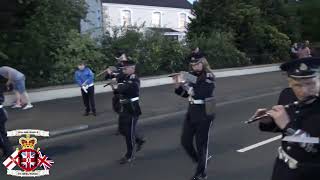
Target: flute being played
[255,118]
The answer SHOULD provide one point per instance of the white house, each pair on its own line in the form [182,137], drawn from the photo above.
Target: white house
[168,16]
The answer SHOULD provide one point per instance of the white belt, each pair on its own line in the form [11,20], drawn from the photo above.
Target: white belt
[132,99]
[1,106]
[90,85]
[196,101]
[292,163]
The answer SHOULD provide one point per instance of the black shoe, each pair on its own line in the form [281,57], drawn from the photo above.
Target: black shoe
[86,114]
[126,160]
[140,145]
[94,114]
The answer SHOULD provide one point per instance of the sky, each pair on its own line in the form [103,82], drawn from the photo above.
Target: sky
[191,1]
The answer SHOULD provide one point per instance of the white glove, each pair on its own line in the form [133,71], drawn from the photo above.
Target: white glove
[85,88]
[190,91]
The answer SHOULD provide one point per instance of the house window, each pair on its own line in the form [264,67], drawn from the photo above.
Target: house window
[156,19]
[126,18]
[182,20]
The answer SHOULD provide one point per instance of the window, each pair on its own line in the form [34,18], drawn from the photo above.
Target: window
[182,20]
[156,19]
[126,18]
[105,17]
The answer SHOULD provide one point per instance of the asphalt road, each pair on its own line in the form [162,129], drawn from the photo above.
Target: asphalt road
[93,154]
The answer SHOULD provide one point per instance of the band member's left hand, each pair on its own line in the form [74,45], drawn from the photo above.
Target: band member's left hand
[280,116]
[114,83]
[177,81]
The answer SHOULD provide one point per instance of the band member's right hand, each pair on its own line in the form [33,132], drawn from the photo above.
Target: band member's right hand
[280,116]
[261,112]
[109,71]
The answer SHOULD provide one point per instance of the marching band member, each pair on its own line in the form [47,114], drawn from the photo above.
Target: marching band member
[199,116]
[296,160]
[4,141]
[128,91]
[118,76]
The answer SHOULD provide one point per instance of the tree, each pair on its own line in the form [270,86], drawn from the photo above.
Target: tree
[309,10]
[44,28]
[252,28]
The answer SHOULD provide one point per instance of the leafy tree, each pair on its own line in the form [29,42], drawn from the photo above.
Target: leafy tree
[309,10]
[220,50]
[79,48]
[44,29]
[250,24]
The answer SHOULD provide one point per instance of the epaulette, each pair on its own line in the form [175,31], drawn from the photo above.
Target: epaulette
[210,78]
[133,76]
[210,75]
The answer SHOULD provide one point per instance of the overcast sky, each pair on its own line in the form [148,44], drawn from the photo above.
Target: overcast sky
[191,1]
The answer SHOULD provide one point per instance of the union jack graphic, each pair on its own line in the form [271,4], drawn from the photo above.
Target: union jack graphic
[44,162]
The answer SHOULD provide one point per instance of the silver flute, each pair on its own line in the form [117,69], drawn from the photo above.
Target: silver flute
[294,104]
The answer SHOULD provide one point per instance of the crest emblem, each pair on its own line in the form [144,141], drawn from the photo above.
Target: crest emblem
[27,158]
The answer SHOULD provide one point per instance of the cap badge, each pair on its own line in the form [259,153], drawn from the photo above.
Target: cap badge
[303,67]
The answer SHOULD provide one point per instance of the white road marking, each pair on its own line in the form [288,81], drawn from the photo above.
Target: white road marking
[259,144]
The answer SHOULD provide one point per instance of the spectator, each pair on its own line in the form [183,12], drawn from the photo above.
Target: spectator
[84,77]
[304,51]
[294,50]
[17,80]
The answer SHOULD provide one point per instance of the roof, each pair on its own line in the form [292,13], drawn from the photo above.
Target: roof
[162,30]
[184,4]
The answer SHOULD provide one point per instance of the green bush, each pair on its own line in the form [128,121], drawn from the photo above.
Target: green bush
[220,51]
[154,53]
[272,45]
[79,48]
[43,28]
[158,55]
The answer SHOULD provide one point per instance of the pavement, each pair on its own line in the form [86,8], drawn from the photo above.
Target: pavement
[91,150]
[67,91]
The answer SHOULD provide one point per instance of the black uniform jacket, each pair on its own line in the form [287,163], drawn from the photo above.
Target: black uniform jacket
[304,117]
[129,89]
[202,89]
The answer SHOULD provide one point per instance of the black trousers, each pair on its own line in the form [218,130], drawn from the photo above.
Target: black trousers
[128,128]
[281,171]
[4,141]
[196,127]
[88,99]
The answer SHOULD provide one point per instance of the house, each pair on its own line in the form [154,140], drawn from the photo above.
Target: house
[168,16]
[93,23]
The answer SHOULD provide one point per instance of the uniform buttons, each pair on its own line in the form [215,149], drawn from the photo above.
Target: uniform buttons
[297,112]
[288,148]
